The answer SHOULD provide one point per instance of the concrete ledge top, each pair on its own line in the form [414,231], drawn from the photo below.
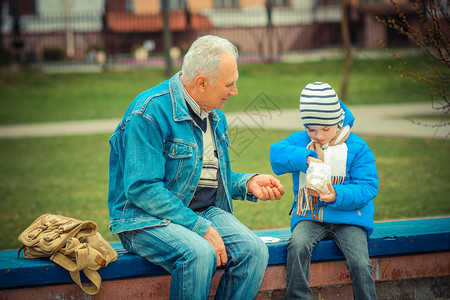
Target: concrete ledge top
[389,238]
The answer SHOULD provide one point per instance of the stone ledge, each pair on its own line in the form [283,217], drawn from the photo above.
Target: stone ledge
[329,279]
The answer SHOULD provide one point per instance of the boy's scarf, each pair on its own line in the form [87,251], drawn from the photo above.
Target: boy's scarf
[336,157]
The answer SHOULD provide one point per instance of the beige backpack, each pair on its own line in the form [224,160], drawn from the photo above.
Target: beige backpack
[73,244]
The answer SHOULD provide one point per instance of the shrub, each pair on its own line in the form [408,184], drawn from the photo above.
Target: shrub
[52,54]
[6,57]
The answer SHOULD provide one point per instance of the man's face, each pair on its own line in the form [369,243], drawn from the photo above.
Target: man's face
[217,93]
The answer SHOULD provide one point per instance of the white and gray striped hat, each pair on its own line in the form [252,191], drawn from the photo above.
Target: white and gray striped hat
[319,105]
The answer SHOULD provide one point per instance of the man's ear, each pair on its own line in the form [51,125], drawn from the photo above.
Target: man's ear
[201,82]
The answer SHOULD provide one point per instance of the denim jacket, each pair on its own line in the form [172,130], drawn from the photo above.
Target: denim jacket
[156,160]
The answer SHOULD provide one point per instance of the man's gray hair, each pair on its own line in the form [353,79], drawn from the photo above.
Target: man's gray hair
[203,57]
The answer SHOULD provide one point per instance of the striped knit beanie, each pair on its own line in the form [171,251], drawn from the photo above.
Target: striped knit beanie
[319,105]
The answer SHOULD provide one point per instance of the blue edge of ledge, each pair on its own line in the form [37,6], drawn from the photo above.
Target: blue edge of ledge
[389,238]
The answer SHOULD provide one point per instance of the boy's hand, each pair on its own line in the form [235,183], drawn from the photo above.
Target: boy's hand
[331,197]
[313,159]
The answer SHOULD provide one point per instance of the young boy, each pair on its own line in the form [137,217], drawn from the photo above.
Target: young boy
[345,214]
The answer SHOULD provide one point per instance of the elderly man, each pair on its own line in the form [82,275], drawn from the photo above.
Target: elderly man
[171,185]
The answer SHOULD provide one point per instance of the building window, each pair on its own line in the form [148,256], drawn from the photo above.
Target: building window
[120,5]
[328,2]
[22,7]
[226,3]
[280,2]
[175,4]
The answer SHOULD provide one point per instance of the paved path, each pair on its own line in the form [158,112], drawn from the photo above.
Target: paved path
[378,120]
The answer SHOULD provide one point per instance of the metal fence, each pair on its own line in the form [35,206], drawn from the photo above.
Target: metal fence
[100,39]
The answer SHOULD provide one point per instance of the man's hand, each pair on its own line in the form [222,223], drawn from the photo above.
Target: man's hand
[214,238]
[265,187]
[331,197]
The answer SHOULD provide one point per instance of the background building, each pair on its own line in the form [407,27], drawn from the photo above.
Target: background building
[93,30]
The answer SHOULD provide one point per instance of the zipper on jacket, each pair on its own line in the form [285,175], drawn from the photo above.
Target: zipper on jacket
[321,213]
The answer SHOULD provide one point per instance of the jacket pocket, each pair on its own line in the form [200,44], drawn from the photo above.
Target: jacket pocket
[179,160]
[177,150]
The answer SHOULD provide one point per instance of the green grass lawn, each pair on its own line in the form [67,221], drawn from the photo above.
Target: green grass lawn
[69,176]
[36,97]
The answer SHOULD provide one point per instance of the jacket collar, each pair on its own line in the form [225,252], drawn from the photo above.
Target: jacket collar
[180,109]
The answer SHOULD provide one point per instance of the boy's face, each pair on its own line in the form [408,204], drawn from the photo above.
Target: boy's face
[322,134]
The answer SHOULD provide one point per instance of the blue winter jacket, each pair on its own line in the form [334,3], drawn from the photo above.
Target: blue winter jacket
[354,202]
[156,160]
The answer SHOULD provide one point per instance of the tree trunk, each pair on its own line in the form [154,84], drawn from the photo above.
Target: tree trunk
[347,49]
[167,37]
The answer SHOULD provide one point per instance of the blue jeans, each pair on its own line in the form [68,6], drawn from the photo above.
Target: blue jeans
[191,260]
[352,240]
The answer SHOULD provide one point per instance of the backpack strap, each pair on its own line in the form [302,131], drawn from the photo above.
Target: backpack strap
[94,278]
[20,250]
[73,257]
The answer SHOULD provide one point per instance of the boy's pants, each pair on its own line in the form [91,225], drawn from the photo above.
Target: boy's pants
[352,240]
